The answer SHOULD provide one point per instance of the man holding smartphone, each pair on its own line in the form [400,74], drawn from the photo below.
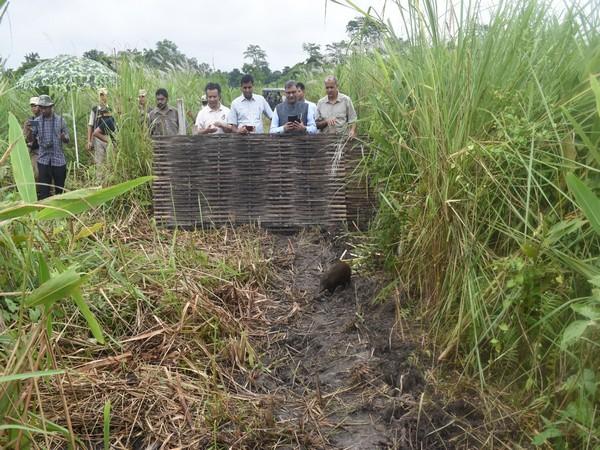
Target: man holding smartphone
[248,109]
[212,118]
[291,116]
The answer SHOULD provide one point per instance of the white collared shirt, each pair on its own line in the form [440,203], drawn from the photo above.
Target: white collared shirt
[312,109]
[207,116]
[249,112]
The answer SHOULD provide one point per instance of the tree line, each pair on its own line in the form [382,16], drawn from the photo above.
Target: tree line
[363,34]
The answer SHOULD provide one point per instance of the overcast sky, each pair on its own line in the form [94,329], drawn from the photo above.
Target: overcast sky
[212,31]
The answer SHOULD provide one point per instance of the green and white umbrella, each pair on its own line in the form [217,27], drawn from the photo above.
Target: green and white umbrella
[66,73]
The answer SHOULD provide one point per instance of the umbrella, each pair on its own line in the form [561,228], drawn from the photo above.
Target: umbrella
[65,73]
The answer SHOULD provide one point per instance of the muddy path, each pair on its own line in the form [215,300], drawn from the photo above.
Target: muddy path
[286,367]
[345,370]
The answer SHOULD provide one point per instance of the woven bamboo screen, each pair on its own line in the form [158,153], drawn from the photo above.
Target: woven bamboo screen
[278,182]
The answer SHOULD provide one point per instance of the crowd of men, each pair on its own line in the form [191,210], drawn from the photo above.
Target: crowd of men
[45,131]
[334,113]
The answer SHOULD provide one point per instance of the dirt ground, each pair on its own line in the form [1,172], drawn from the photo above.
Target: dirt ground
[347,367]
[347,370]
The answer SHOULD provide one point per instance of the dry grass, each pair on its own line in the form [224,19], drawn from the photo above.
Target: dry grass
[211,345]
[181,364]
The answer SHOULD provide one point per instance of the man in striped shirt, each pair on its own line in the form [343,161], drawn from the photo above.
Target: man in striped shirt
[50,131]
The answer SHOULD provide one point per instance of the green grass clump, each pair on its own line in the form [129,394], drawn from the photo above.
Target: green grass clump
[474,129]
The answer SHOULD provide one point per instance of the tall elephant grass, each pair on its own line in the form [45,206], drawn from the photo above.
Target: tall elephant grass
[474,131]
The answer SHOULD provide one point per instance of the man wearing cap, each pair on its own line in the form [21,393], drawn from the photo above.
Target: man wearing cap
[32,144]
[213,117]
[143,107]
[93,142]
[50,131]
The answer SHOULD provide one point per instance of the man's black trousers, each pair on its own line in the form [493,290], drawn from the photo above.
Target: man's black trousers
[51,175]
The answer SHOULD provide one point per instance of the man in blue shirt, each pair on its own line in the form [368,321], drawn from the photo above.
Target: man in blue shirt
[50,131]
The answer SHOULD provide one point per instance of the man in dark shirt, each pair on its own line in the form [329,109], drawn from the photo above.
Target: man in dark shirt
[50,131]
[291,116]
[163,119]
[104,130]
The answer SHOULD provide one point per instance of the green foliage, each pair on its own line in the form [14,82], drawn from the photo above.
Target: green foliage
[586,199]
[101,57]
[258,66]
[19,158]
[480,135]
[36,275]
[106,427]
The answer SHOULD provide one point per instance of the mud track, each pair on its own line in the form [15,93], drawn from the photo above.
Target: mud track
[345,370]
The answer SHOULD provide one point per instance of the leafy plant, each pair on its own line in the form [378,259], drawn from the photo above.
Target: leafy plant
[41,281]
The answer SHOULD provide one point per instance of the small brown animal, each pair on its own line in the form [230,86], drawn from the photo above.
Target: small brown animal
[338,275]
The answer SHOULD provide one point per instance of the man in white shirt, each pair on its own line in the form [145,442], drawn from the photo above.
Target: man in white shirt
[247,110]
[312,107]
[213,117]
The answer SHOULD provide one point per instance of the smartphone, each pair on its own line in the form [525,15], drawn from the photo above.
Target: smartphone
[293,119]
[249,127]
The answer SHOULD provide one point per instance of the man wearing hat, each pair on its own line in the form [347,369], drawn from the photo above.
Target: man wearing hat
[27,131]
[50,131]
[93,142]
[106,129]
[142,104]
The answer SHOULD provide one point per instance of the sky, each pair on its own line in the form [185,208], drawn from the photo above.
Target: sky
[215,32]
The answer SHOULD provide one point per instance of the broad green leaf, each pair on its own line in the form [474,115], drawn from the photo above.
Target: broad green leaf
[582,135]
[586,199]
[595,281]
[548,433]
[589,271]
[27,375]
[596,90]
[17,210]
[588,381]
[54,289]
[20,161]
[106,428]
[587,311]
[89,316]
[561,229]
[574,331]
[88,231]
[43,272]
[76,202]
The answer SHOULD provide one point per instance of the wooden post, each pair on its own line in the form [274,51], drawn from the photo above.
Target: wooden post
[181,117]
